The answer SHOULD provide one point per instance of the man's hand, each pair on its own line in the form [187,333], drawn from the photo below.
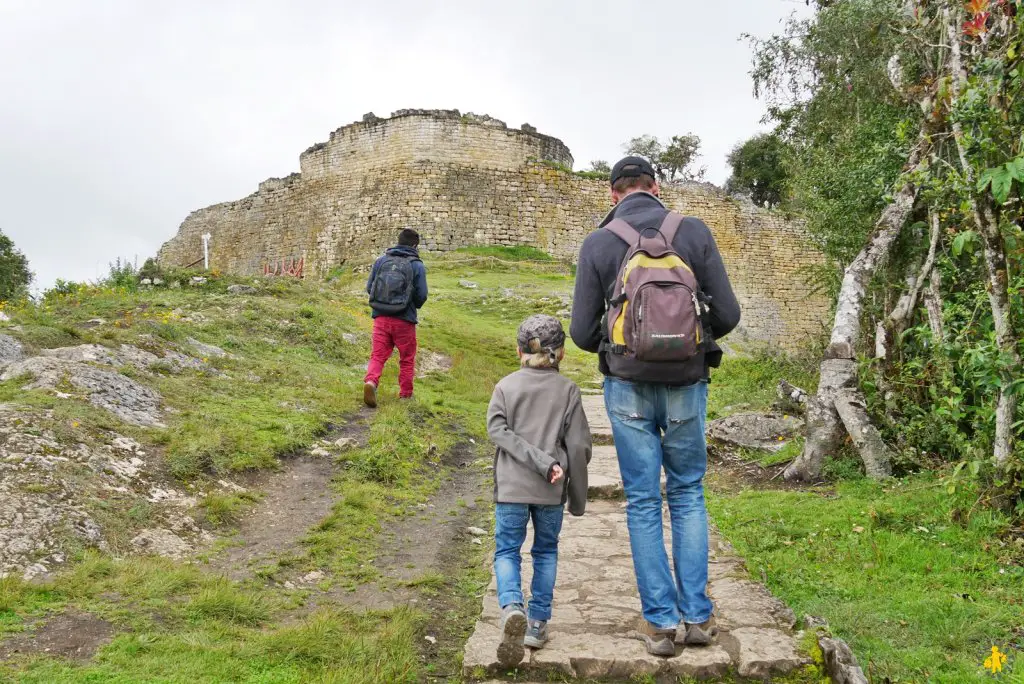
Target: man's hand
[556,473]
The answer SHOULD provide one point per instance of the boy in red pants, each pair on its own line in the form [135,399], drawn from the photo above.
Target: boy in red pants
[397,287]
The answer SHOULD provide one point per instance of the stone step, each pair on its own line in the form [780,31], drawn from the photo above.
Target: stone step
[600,426]
[603,479]
[596,608]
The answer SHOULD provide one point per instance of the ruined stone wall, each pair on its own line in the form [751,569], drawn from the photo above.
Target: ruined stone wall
[465,180]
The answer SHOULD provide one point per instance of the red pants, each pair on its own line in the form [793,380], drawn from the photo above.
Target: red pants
[389,333]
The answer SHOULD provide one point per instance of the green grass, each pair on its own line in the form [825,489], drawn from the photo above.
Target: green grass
[895,590]
[515,253]
[917,594]
[921,583]
[220,508]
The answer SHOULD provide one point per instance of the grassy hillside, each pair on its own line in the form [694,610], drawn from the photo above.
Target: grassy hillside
[920,586]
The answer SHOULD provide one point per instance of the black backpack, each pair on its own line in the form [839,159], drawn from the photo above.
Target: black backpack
[391,290]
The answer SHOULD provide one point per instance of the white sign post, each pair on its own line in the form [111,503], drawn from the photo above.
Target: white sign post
[206,251]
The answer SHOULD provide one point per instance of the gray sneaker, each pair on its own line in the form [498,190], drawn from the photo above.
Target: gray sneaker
[536,634]
[513,627]
[658,641]
[697,634]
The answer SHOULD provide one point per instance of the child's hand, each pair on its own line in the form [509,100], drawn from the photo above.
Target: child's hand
[556,473]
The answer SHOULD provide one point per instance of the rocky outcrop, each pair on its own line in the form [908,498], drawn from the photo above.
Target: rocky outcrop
[764,431]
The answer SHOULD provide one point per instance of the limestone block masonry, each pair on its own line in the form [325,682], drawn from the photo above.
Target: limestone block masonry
[464,179]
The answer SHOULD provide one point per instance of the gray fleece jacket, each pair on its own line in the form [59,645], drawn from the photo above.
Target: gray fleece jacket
[536,419]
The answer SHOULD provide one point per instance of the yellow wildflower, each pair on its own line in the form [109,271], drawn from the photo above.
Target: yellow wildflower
[994,663]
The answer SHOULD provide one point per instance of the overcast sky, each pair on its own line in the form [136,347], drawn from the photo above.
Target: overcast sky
[119,117]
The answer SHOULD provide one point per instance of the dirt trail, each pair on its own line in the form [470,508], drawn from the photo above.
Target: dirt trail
[412,547]
[294,500]
[70,634]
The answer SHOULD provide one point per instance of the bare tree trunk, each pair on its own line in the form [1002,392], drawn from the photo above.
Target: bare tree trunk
[791,398]
[933,303]
[995,266]
[839,368]
[865,436]
[899,318]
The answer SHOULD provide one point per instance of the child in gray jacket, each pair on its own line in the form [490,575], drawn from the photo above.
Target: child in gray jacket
[536,420]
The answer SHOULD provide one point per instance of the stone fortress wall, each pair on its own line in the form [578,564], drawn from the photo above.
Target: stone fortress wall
[466,180]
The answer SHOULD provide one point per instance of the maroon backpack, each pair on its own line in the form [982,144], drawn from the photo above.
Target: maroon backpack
[657,309]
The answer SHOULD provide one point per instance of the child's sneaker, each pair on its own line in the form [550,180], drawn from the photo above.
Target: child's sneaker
[536,634]
[513,627]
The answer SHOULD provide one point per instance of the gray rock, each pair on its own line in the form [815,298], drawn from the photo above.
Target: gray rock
[93,323]
[158,281]
[742,603]
[320,452]
[207,350]
[146,281]
[198,280]
[476,531]
[468,284]
[755,430]
[10,350]
[125,398]
[346,443]
[350,338]
[161,542]
[815,622]
[242,289]
[840,663]
[763,652]
[4,316]
[125,355]
[313,577]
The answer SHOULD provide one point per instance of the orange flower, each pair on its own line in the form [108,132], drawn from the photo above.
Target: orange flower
[976,6]
[977,26]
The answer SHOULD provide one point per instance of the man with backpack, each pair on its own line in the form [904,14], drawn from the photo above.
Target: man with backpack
[651,297]
[397,287]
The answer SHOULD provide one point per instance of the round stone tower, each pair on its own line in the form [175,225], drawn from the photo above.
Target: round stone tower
[444,136]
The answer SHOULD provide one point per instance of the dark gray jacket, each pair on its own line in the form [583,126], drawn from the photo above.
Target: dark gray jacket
[419,286]
[536,419]
[602,254]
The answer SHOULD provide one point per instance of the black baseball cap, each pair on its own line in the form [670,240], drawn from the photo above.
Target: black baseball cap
[631,167]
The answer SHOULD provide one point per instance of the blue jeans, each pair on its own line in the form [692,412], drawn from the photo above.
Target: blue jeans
[659,426]
[510,521]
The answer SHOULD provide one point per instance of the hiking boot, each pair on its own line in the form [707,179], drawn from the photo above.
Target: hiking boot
[370,394]
[513,627]
[693,634]
[536,634]
[658,641]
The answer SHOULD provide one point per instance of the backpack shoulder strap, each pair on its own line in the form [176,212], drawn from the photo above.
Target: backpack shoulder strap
[624,231]
[670,226]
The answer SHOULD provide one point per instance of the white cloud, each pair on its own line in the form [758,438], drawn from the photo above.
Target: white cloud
[120,117]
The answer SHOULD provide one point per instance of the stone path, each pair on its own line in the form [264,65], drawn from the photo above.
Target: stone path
[597,606]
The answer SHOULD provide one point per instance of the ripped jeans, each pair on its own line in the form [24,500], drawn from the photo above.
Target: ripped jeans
[660,426]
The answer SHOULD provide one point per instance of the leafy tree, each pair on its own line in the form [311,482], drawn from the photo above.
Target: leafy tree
[14,274]
[758,169]
[672,161]
[648,147]
[902,124]
[848,131]
[600,166]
